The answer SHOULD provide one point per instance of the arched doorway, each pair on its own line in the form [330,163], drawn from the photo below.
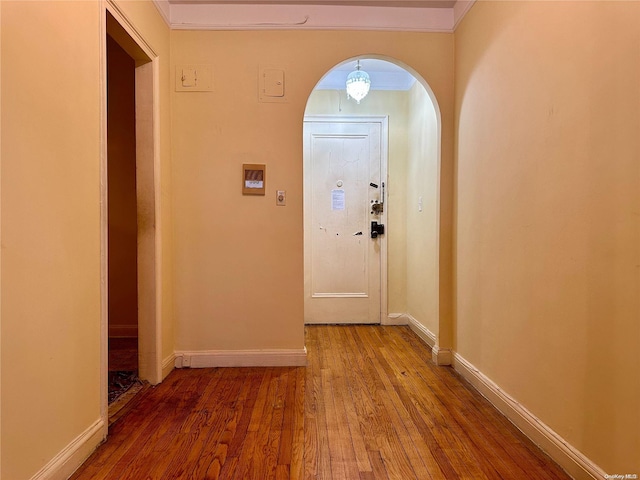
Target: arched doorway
[410,269]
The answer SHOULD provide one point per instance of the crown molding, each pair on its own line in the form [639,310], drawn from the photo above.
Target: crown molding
[223,16]
[164,9]
[460,9]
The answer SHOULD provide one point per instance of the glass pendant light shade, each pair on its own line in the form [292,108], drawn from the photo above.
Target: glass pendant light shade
[358,84]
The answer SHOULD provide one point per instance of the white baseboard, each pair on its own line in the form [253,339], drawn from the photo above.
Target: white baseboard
[168,364]
[568,457]
[73,455]
[396,319]
[440,356]
[241,358]
[423,332]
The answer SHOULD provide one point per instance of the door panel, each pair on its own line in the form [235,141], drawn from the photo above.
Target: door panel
[342,262]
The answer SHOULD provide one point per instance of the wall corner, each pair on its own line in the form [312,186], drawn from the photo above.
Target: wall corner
[441,356]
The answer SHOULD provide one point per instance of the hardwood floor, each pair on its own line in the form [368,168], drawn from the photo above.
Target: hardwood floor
[369,405]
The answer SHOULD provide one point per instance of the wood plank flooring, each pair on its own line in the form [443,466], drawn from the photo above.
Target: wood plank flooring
[369,405]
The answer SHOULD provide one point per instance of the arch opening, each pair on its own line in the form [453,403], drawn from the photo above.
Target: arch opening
[410,273]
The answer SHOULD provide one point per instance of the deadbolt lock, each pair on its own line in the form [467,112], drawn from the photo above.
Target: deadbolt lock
[376,207]
[376,229]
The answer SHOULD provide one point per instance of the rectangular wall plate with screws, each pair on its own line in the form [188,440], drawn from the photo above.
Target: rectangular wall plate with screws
[281,198]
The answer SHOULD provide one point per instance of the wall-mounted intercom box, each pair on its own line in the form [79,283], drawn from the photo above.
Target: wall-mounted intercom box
[254,179]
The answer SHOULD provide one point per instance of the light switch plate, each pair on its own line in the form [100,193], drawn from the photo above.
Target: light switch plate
[281,198]
[194,78]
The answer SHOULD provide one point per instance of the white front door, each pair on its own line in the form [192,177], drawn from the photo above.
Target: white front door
[343,165]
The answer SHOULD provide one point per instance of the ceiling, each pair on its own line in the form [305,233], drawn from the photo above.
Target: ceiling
[384,76]
[398,15]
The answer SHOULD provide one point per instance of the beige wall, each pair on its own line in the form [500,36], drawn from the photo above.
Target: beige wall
[50,230]
[394,104]
[51,149]
[238,260]
[51,193]
[547,118]
[422,226]
[548,195]
[0,241]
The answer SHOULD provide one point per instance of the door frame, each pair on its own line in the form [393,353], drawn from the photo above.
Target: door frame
[147,200]
[383,120]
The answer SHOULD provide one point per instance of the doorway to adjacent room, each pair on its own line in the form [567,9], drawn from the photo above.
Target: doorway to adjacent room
[131,330]
[351,220]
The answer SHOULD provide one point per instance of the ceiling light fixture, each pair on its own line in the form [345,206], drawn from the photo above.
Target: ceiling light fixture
[358,84]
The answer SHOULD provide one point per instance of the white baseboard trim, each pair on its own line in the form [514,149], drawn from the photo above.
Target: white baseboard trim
[423,332]
[440,356]
[396,319]
[241,358]
[73,455]
[168,364]
[568,457]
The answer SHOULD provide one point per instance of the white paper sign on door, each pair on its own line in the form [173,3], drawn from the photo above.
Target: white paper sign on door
[337,199]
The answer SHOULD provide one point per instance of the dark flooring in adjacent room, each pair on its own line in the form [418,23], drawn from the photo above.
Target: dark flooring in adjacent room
[123,354]
[123,375]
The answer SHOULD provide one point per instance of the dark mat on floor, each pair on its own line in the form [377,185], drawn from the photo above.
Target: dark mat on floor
[120,382]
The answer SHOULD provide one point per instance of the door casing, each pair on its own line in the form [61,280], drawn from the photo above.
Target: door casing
[149,254]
